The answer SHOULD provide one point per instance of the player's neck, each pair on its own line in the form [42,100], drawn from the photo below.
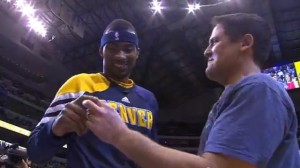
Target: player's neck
[125,80]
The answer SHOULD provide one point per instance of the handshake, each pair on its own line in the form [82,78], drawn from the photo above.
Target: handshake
[89,113]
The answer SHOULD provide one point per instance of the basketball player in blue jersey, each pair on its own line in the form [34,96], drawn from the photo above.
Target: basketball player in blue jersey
[252,125]
[64,121]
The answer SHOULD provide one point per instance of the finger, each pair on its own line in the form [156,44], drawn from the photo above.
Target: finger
[77,109]
[73,118]
[105,105]
[79,100]
[102,103]
[91,125]
[93,107]
[75,124]
[70,124]
[77,114]
[89,115]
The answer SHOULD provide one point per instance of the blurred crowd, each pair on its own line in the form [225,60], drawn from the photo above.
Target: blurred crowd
[17,89]
[286,75]
[25,163]
[15,119]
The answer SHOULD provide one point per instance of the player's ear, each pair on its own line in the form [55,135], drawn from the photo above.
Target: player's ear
[101,52]
[137,52]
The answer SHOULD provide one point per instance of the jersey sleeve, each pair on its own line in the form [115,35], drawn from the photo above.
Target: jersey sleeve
[250,126]
[42,144]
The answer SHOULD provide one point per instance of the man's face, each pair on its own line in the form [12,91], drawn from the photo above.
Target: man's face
[119,59]
[222,55]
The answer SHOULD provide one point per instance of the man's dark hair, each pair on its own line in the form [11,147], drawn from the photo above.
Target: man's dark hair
[119,24]
[239,24]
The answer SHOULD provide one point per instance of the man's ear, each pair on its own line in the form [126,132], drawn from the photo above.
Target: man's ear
[247,42]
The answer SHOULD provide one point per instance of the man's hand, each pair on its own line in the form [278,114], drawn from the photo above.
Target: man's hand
[104,121]
[72,118]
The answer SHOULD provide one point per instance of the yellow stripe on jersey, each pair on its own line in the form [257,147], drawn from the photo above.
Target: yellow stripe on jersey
[84,82]
[133,115]
[141,118]
[127,85]
[89,83]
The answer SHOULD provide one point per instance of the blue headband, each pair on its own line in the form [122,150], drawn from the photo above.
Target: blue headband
[119,36]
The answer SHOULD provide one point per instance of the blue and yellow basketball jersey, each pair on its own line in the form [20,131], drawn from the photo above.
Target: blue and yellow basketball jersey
[137,107]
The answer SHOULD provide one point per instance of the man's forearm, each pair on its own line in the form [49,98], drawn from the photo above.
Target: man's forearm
[149,154]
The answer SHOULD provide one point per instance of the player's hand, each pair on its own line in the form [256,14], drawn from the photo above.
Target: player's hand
[23,164]
[104,121]
[72,118]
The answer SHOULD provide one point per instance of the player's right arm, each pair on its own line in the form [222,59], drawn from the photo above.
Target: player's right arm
[63,118]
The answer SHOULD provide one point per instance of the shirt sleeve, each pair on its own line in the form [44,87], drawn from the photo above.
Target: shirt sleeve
[42,144]
[251,125]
